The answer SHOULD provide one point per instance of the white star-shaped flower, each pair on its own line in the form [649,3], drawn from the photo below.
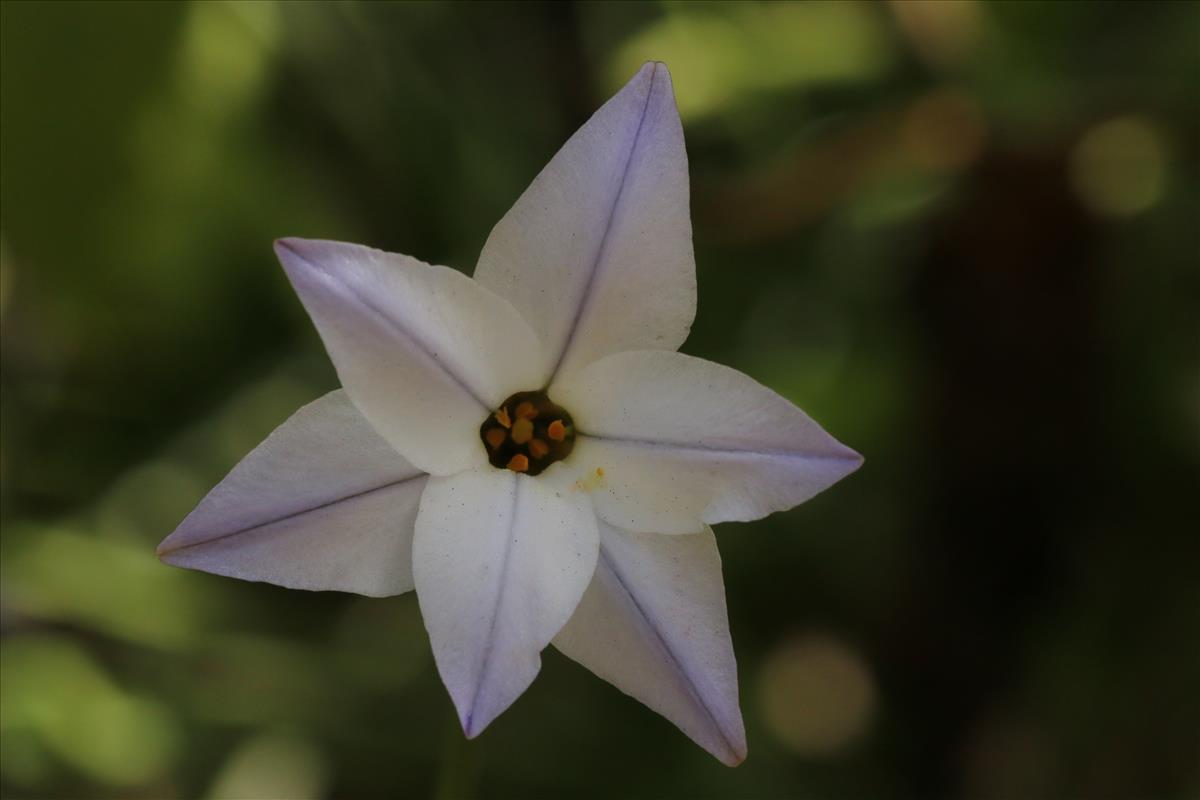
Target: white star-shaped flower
[526,449]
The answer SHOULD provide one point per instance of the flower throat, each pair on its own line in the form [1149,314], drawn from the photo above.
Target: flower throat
[527,433]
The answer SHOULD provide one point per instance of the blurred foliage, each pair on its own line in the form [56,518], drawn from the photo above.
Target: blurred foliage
[961,234]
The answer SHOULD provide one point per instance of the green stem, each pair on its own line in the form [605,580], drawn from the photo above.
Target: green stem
[459,767]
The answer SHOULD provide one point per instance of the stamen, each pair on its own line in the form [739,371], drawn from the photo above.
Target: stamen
[527,433]
[522,431]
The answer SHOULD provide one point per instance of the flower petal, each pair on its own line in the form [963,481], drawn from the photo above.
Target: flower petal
[500,561]
[322,503]
[424,351]
[680,441]
[653,624]
[597,253]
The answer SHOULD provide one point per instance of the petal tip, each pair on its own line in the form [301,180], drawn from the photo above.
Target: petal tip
[855,458]
[734,758]
[292,251]
[848,459]
[165,548]
[170,557]
[286,244]
[172,554]
[733,739]
[289,251]
[650,74]
[471,724]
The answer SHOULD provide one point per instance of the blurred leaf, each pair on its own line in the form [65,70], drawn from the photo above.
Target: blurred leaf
[55,692]
[113,587]
[722,55]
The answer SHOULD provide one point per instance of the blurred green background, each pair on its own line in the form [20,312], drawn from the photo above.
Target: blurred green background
[962,235]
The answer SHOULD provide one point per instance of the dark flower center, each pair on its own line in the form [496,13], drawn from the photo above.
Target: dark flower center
[527,433]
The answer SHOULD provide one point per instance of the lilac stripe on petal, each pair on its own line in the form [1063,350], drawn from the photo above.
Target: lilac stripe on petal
[681,442]
[597,253]
[424,351]
[323,503]
[500,562]
[653,623]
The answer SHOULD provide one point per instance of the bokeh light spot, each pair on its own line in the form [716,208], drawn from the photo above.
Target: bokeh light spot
[943,32]
[226,53]
[817,695]
[1119,167]
[272,766]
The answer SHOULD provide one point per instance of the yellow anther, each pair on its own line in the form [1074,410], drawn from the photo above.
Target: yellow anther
[522,431]
[599,472]
[528,433]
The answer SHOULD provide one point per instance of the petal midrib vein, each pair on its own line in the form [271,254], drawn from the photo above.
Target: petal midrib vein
[598,260]
[423,347]
[655,629]
[490,644]
[293,515]
[706,448]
